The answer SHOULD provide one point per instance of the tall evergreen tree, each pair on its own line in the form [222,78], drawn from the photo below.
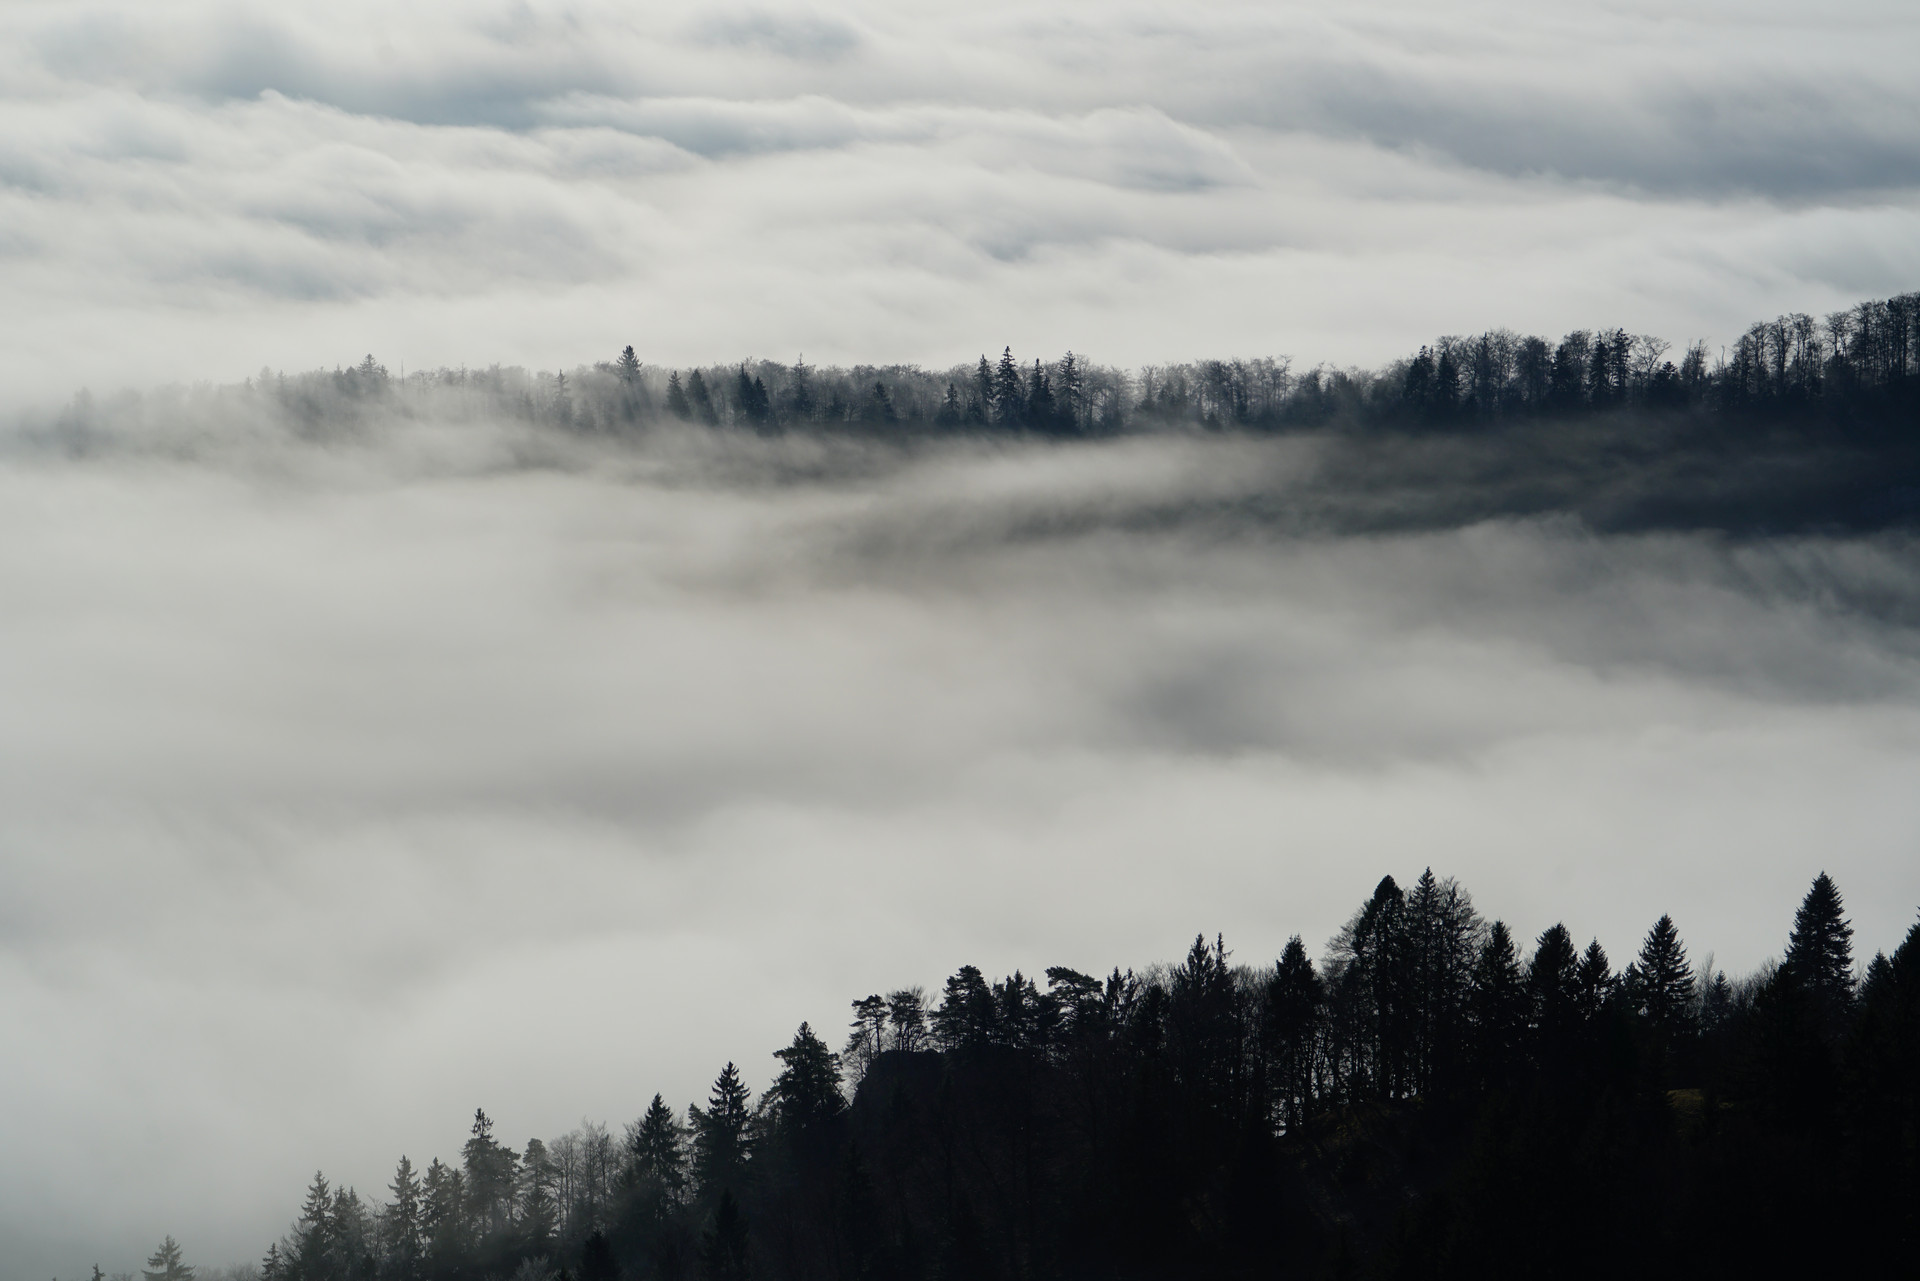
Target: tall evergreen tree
[1594,981]
[1009,403]
[1289,1024]
[1553,991]
[656,1152]
[720,1135]
[700,399]
[807,1091]
[165,1265]
[402,1225]
[1499,1005]
[1819,957]
[677,403]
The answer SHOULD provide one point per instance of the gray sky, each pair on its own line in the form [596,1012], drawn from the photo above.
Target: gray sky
[342,791]
[192,190]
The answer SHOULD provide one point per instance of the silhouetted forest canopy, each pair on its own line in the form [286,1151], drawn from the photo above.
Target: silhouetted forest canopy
[1431,1098]
[1801,424]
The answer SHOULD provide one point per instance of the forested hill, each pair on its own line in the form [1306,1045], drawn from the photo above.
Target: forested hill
[1802,424]
[1433,1098]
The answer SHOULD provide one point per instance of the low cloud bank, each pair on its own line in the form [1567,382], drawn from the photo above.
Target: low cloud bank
[353,781]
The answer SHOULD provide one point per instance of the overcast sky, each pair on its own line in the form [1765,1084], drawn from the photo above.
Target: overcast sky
[343,791]
[192,190]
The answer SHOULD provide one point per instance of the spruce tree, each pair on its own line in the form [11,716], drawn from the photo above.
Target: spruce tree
[401,1223]
[1819,958]
[1595,981]
[807,1091]
[627,367]
[1662,981]
[1553,990]
[677,403]
[656,1153]
[1009,404]
[1499,1005]
[723,1247]
[1289,1020]
[165,1265]
[720,1134]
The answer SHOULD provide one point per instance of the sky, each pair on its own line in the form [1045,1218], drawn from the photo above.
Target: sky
[346,788]
[191,190]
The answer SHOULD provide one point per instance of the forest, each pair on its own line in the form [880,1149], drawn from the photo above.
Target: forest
[1800,425]
[1431,1098]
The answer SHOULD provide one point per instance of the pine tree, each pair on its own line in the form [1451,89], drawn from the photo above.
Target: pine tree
[866,1035]
[966,1016]
[539,1214]
[677,403]
[1499,1005]
[720,1134]
[1553,990]
[807,1091]
[700,399]
[656,1153]
[627,367]
[165,1264]
[1594,981]
[400,1223]
[1660,988]
[1289,1021]
[906,1019]
[1820,956]
[1009,405]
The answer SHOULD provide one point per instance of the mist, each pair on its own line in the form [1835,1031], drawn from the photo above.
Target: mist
[353,781]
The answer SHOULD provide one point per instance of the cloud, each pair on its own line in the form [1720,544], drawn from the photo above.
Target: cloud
[385,773]
[529,183]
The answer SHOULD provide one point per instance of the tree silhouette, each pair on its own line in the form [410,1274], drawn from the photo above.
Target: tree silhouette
[164,1264]
[1819,956]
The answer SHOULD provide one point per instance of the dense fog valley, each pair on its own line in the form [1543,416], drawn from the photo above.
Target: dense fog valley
[401,746]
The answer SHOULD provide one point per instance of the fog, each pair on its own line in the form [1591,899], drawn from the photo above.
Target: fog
[348,785]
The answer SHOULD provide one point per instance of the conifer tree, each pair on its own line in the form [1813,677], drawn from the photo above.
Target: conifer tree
[1289,1020]
[866,1034]
[165,1265]
[1009,405]
[1553,986]
[906,1019]
[720,1134]
[1594,981]
[1499,1004]
[656,1152]
[700,399]
[677,403]
[1819,957]
[401,1225]
[1662,982]
[807,1091]
[627,367]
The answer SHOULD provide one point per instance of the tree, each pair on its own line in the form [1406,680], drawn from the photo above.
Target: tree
[1594,981]
[165,1265]
[700,399]
[1009,405]
[657,1154]
[1661,989]
[1820,956]
[489,1167]
[628,367]
[906,1019]
[677,403]
[401,1223]
[539,1215]
[866,1038]
[720,1134]
[966,1016]
[1287,1027]
[807,1091]
[1553,995]
[1499,1005]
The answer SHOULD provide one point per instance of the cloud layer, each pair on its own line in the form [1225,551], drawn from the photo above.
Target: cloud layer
[349,787]
[203,188]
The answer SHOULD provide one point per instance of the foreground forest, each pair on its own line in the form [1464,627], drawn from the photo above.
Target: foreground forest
[1802,424]
[1432,1098]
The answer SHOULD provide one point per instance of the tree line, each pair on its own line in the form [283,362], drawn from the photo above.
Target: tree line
[1857,366]
[1430,1098]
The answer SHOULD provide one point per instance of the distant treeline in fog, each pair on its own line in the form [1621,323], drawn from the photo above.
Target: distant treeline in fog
[1801,424]
[1433,1098]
